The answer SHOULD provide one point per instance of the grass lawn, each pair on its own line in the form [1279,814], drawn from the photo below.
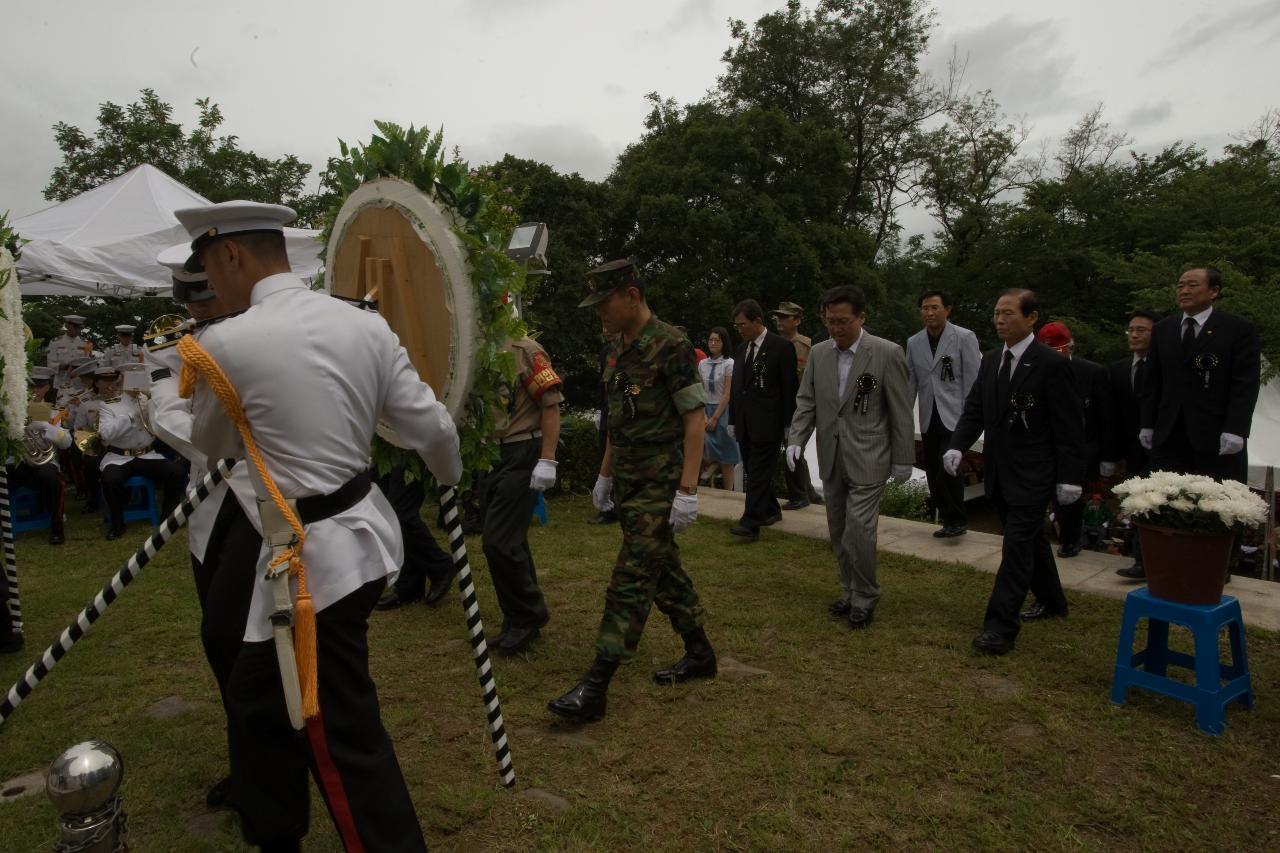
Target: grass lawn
[813,738]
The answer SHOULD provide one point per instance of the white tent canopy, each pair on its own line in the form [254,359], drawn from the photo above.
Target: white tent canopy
[104,242]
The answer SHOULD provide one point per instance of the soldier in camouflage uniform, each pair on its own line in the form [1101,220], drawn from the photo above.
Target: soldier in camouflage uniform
[651,461]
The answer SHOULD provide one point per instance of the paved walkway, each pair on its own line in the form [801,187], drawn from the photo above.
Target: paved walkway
[1092,571]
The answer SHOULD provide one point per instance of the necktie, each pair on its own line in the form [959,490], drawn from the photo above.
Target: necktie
[711,381]
[1188,332]
[1139,376]
[751,353]
[1005,375]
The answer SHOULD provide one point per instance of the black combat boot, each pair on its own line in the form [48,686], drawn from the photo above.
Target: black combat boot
[586,702]
[699,660]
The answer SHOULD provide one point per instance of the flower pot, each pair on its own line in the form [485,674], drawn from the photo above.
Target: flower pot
[1183,565]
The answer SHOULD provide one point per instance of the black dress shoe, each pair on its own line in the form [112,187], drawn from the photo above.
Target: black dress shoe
[991,643]
[840,608]
[605,517]
[219,796]
[391,599]
[860,617]
[439,589]
[516,640]
[772,520]
[1133,573]
[57,538]
[699,661]
[114,533]
[1038,611]
[587,700]
[12,644]
[795,504]
[950,531]
[745,532]
[1067,551]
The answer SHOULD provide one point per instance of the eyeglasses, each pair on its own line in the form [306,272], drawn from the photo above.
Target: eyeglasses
[1138,330]
[838,322]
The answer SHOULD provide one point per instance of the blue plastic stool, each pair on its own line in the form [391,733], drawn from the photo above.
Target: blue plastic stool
[540,510]
[139,502]
[1147,668]
[28,511]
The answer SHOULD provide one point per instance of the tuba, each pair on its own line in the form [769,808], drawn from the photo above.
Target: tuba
[36,449]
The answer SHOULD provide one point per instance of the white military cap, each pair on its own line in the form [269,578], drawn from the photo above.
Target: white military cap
[86,369]
[229,217]
[124,329]
[75,319]
[105,370]
[131,367]
[41,375]
[187,286]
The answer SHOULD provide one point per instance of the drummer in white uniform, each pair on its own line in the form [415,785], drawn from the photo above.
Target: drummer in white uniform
[314,375]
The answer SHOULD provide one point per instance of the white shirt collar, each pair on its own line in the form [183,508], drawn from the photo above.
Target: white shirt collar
[853,347]
[1137,358]
[273,284]
[1201,318]
[759,341]
[1020,347]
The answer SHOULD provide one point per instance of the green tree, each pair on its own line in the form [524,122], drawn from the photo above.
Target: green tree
[213,165]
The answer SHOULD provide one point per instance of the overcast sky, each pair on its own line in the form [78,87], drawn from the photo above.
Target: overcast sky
[563,81]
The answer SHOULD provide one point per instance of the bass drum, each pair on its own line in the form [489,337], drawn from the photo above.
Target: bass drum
[393,245]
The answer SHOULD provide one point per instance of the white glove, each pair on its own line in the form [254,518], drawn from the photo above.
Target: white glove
[602,494]
[544,475]
[901,473]
[731,433]
[951,461]
[1068,494]
[1229,444]
[794,452]
[684,511]
[1107,469]
[1145,437]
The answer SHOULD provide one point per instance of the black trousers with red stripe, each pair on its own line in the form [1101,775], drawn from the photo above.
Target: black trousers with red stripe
[348,751]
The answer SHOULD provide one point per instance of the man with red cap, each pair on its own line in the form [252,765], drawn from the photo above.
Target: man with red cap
[1094,388]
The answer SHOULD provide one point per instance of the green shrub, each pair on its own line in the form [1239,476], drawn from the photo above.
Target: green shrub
[906,500]
[578,457]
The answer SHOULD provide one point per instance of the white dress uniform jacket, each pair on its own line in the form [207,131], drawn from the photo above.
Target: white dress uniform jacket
[64,348]
[117,355]
[120,425]
[314,375]
[926,368]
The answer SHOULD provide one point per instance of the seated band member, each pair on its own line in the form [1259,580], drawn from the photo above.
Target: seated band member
[43,477]
[129,450]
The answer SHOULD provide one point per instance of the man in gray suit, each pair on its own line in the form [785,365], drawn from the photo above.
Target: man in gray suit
[855,393]
[942,362]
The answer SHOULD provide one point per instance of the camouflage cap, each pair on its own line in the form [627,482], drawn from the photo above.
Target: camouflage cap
[787,309]
[606,278]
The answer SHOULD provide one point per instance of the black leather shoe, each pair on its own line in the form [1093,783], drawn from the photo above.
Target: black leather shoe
[699,661]
[745,532]
[114,533]
[860,617]
[1068,551]
[219,796]
[795,504]
[439,589]
[587,700]
[771,520]
[816,499]
[1038,611]
[57,538]
[839,608]
[391,599]
[516,640]
[1133,573]
[950,531]
[12,644]
[991,643]
[605,517]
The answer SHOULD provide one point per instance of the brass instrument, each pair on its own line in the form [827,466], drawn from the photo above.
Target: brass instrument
[36,449]
[88,440]
[165,331]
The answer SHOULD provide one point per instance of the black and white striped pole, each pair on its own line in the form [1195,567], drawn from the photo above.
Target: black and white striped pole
[479,649]
[109,593]
[10,556]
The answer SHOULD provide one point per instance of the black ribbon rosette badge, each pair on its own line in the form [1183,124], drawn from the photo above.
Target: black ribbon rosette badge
[757,371]
[1206,362]
[948,369]
[629,391]
[866,383]
[1022,403]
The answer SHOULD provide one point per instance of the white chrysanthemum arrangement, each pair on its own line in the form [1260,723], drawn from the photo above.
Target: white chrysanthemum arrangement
[13,354]
[1191,502]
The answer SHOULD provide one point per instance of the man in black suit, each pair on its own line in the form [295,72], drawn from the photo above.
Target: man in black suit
[1026,402]
[1201,384]
[1127,378]
[1093,387]
[763,398]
